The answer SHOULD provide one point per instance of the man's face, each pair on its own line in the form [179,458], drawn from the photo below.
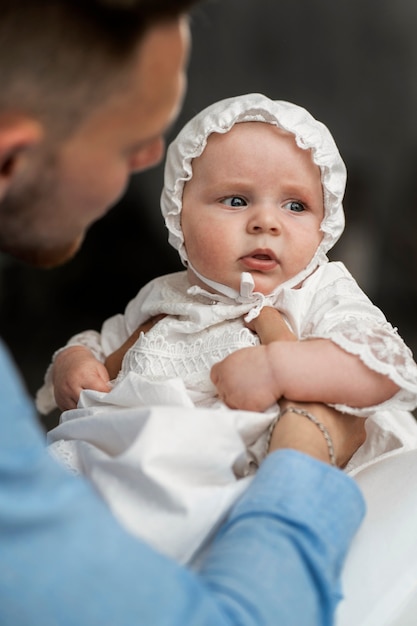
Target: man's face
[61,194]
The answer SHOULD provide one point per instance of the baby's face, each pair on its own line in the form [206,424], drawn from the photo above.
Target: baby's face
[254,204]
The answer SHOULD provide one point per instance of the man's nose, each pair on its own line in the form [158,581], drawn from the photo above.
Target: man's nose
[148,155]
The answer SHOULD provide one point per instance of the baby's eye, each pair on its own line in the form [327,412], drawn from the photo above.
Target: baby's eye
[235,202]
[293,205]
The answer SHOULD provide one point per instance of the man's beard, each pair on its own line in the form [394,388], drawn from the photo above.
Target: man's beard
[43,257]
[22,233]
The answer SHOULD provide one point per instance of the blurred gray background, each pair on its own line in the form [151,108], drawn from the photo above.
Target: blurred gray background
[353,65]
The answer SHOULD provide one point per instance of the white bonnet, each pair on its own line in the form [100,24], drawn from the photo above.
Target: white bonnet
[220,117]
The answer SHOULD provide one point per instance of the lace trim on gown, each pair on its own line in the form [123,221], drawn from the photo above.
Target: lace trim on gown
[157,358]
[66,453]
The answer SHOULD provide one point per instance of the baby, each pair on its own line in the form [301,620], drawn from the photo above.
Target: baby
[253,202]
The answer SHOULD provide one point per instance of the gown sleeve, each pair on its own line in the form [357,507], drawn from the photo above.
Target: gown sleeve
[340,311]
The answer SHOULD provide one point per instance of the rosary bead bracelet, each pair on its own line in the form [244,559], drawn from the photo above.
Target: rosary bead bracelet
[310,416]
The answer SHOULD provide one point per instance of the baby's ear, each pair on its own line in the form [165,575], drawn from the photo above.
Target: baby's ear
[18,134]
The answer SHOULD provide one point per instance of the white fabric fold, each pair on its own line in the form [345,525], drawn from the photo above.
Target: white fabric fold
[170,474]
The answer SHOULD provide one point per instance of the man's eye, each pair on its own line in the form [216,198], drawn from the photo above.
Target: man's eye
[236,202]
[296,207]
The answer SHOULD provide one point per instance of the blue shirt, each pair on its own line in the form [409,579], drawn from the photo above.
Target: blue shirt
[64,560]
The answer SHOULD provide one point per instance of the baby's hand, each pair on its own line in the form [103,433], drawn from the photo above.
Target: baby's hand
[271,326]
[76,369]
[244,380]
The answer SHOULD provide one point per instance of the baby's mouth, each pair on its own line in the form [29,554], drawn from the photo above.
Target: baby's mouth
[260,260]
[264,257]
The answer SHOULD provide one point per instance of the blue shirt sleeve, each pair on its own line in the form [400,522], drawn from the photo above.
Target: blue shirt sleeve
[65,560]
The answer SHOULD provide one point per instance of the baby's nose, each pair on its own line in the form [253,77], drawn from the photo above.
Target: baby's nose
[265,219]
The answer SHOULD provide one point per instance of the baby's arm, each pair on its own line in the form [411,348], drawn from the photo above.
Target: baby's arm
[315,370]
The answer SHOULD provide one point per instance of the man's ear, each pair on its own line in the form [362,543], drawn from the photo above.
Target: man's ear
[18,135]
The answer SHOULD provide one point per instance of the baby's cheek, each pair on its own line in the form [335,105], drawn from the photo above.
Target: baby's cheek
[203,247]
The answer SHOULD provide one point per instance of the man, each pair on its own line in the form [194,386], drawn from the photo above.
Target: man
[88,90]
[78,131]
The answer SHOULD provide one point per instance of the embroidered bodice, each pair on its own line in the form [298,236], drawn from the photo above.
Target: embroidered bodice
[162,355]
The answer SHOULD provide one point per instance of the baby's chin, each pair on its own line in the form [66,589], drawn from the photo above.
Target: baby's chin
[265,286]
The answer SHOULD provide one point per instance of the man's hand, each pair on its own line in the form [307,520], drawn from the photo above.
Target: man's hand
[113,362]
[76,369]
[271,326]
[297,432]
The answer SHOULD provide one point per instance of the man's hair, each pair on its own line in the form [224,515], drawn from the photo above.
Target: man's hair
[58,58]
